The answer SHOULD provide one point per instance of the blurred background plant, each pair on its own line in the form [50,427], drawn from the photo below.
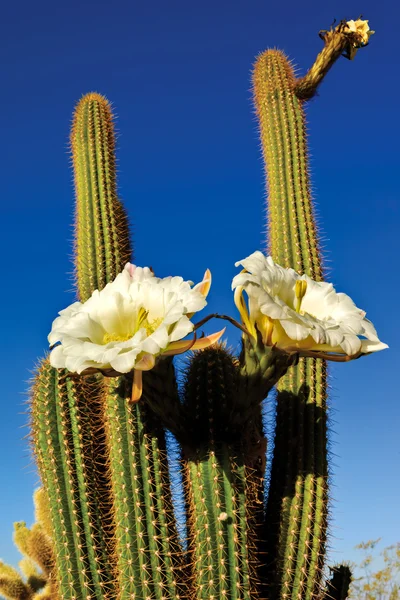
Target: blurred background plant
[377,576]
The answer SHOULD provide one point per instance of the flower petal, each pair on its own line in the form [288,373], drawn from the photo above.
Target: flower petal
[368,346]
[146,363]
[208,340]
[204,286]
[137,386]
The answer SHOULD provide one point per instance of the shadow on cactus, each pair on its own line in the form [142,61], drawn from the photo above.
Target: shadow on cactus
[103,400]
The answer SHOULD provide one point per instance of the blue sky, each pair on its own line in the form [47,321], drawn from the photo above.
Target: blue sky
[191,177]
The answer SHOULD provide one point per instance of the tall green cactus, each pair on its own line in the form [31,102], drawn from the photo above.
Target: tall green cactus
[221,488]
[80,433]
[102,244]
[104,460]
[296,516]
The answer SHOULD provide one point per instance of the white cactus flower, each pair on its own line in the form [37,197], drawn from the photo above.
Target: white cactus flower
[129,323]
[361,31]
[297,314]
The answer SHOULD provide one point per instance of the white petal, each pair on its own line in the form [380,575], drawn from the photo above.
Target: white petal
[368,346]
[183,327]
[156,342]
[296,331]
[351,344]
[255,263]
[57,358]
[125,362]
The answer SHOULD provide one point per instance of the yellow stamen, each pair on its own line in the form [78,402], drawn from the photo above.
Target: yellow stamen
[141,318]
[266,326]
[300,291]
[141,321]
[242,308]
[112,337]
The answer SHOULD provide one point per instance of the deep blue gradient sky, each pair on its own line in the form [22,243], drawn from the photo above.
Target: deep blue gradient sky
[190,174]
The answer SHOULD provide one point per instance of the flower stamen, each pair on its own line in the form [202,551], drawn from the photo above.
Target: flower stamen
[300,291]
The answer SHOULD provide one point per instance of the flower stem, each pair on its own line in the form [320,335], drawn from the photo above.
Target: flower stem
[225,318]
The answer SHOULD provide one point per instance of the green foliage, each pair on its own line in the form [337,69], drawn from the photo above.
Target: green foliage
[104,461]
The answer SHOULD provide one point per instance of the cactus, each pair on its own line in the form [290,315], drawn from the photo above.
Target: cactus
[338,585]
[221,488]
[101,234]
[297,507]
[298,498]
[37,567]
[103,458]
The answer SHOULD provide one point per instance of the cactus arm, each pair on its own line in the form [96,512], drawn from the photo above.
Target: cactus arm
[127,499]
[146,547]
[83,397]
[102,235]
[45,435]
[298,489]
[338,585]
[219,497]
[291,225]
[34,543]
[298,495]
[59,419]
[11,585]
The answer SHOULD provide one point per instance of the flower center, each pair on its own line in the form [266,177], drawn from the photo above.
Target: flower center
[141,321]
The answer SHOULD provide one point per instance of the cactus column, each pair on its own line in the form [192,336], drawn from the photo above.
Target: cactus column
[295,525]
[79,434]
[221,488]
[296,515]
[102,245]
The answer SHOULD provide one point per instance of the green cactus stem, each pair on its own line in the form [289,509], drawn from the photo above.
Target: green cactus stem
[339,583]
[296,517]
[66,425]
[148,557]
[222,490]
[102,234]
